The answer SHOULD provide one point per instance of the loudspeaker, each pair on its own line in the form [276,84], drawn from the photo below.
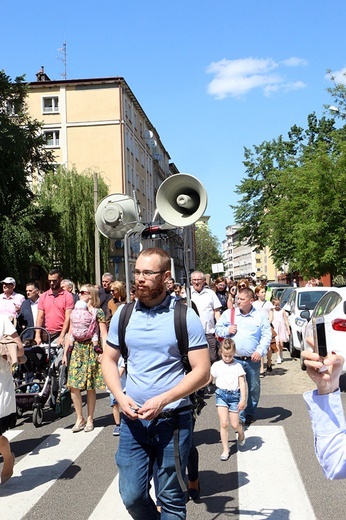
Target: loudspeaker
[181,200]
[116,215]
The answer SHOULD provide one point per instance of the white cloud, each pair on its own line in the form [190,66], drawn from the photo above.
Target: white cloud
[237,77]
[294,62]
[338,75]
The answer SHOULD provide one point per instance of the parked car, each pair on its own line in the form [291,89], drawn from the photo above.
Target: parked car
[277,291]
[332,307]
[286,293]
[301,299]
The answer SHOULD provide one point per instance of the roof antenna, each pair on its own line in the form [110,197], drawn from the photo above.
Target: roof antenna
[63,57]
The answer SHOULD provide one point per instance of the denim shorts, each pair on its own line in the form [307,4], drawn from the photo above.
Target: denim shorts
[228,398]
[112,400]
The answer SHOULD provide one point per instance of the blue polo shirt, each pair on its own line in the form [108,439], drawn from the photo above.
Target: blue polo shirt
[154,362]
[253,331]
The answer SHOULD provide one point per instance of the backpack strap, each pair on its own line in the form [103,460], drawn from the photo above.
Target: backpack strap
[124,318]
[180,326]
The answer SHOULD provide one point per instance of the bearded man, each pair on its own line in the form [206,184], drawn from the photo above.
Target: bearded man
[157,390]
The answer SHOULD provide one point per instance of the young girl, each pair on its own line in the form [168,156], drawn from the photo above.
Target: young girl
[230,394]
[278,318]
[264,306]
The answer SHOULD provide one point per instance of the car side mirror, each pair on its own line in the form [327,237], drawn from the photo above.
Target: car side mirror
[305,314]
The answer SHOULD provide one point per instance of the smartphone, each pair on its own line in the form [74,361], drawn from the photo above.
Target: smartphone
[319,332]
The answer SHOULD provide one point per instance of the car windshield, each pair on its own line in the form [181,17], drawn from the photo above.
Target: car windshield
[308,300]
[285,295]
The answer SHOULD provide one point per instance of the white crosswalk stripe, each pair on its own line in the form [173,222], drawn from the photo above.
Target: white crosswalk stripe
[45,463]
[269,480]
[259,498]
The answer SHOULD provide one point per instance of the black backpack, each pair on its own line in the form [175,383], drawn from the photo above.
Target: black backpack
[180,311]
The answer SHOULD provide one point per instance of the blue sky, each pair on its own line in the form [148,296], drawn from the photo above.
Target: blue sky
[213,76]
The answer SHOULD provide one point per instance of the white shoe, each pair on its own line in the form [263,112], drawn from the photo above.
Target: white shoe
[279,360]
[241,443]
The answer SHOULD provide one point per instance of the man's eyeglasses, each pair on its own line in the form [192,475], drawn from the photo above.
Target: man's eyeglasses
[197,280]
[147,273]
[84,292]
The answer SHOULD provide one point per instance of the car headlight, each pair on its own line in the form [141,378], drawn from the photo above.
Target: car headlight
[299,322]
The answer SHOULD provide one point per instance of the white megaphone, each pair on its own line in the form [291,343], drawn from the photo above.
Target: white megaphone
[116,215]
[181,200]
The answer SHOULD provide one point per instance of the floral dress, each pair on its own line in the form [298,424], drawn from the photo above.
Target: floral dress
[84,370]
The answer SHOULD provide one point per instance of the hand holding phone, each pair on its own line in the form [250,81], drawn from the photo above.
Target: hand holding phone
[320,343]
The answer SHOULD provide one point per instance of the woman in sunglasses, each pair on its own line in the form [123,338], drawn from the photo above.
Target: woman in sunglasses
[84,367]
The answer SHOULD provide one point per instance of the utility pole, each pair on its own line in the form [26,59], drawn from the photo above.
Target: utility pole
[97,241]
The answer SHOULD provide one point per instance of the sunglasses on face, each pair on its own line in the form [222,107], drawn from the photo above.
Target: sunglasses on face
[84,292]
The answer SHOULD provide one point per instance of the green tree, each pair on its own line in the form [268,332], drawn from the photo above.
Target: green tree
[207,249]
[292,198]
[71,244]
[23,158]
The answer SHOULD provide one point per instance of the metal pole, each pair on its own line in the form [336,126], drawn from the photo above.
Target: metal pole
[97,241]
[126,260]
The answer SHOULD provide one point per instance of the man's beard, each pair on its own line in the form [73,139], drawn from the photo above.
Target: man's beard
[146,295]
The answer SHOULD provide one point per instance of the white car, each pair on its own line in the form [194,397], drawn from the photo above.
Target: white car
[332,307]
[301,299]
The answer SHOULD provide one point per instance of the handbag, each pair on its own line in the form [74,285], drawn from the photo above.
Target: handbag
[273,346]
[63,401]
[232,314]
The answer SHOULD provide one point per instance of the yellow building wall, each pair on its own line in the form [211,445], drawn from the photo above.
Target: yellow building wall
[97,148]
[92,103]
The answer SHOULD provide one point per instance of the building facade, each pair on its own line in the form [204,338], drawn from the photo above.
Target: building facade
[97,125]
[242,260]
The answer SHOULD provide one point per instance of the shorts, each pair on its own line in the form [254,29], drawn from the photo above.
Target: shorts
[112,400]
[228,398]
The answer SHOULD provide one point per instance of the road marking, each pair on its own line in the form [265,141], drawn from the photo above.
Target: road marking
[111,501]
[38,470]
[12,434]
[269,481]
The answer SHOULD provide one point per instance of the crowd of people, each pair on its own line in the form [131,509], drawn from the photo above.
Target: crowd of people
[230,327]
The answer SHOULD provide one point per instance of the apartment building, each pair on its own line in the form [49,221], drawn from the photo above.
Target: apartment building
[98,125]
[241,260]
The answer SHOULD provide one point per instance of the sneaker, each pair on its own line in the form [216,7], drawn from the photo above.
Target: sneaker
[279,360]
[269,368]
[116,430]
[225,456]
[242,442]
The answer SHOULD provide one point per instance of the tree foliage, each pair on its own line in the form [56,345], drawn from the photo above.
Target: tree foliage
[293,198]
[70,245]
[22,158]
[207,249]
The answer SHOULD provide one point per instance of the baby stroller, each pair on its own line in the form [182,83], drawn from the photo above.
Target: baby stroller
[41,380]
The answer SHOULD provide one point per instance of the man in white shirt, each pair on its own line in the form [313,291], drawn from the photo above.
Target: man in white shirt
[209,306]
[10,301]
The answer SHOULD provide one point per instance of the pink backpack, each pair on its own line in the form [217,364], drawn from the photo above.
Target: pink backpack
[83,324]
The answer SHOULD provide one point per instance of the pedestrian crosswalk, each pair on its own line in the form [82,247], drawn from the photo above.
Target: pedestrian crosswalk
[263,487]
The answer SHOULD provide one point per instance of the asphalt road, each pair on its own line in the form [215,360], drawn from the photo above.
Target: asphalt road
[275,476]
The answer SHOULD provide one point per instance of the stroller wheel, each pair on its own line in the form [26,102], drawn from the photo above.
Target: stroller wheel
[37,416]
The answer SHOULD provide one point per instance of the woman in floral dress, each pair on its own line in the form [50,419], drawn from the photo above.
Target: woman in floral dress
[84,371]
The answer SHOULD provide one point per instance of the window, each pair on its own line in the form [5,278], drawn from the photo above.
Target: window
[50,105]
[52,137]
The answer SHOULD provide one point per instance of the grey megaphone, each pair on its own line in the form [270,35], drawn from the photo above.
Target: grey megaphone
[116,215]
[181,200]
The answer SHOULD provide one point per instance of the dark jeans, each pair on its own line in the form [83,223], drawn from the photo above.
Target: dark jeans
[252,371]
[142,443]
